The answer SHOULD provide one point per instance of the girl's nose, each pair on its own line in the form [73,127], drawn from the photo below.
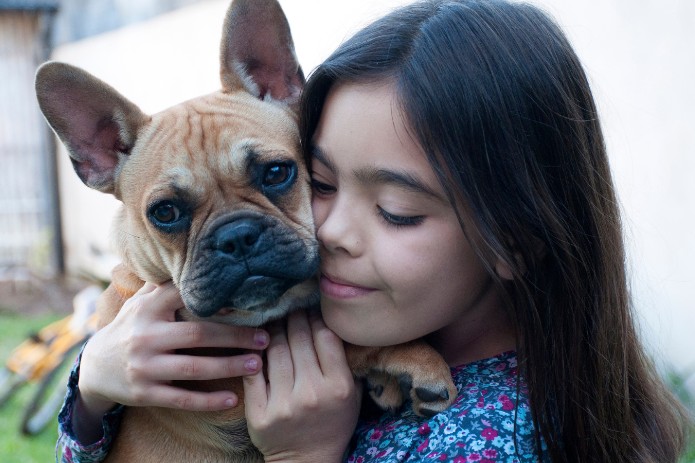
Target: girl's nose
[339,228]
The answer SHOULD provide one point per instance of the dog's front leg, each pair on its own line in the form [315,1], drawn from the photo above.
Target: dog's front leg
[124,284]
[413,371]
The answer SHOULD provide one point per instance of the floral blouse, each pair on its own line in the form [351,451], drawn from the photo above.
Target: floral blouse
[490,421]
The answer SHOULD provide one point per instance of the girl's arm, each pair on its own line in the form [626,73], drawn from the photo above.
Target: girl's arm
[308,410]
[69,448]
[132,361]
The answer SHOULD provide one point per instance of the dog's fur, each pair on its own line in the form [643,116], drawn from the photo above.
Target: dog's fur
[216,198]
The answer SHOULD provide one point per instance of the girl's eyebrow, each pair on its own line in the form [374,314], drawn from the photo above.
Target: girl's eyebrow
[400,179]
[318,154]
[373,175]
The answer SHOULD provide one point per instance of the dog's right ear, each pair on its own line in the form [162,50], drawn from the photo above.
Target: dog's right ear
[257,52]
[96,123]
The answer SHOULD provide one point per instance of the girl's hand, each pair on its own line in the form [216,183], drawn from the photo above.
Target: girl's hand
[308,410]
[132,360]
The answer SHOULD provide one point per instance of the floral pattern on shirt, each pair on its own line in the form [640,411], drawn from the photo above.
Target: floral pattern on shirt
[490,421]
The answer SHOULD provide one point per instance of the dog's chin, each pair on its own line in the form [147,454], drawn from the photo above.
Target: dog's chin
[261,312]
[240,317]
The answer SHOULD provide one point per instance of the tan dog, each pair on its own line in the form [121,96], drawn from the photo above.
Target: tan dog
[216,198]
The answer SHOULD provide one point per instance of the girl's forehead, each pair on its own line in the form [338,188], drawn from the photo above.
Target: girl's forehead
[364,122]
[362,138]
[366,115]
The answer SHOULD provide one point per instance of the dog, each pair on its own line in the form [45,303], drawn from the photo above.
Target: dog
[215,197]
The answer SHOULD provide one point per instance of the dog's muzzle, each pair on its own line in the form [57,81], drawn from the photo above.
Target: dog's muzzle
[247,263]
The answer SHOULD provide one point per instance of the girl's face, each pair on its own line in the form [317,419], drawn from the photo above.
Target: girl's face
[395,263]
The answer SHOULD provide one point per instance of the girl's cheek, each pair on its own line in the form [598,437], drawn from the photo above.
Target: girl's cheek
[317,212]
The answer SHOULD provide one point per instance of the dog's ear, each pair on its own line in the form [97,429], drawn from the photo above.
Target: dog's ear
[95,122]
[257,52]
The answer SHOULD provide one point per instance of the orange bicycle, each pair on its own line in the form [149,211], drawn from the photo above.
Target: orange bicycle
[45,358]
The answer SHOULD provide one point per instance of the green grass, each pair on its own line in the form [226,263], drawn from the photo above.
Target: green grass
[677,383]
[689,456]
[14,447]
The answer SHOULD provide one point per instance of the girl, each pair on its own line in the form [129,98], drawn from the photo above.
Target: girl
[461,193]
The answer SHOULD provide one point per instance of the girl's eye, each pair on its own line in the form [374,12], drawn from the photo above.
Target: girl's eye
[321,188]
[400,220]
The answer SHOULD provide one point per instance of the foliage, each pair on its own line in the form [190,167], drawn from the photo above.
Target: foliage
[14,447]
[678,385]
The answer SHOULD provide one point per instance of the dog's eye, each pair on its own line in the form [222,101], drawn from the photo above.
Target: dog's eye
[170,216]
[277,174]
[166,212]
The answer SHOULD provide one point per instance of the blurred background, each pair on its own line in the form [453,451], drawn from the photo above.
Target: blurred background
[54,231]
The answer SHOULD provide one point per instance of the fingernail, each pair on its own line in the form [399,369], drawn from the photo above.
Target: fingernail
[229,403]
[260,338]
[251,364]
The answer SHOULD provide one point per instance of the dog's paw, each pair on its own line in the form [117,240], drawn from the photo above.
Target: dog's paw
[426,394]
[385,391]
[410,374]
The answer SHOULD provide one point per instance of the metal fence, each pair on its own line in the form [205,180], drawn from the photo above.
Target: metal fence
[28,229]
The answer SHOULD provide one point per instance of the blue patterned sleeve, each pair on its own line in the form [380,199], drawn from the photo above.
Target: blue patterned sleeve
[68,448]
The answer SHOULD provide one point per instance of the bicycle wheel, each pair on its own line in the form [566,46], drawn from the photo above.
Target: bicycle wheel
[46,401]
[9,383]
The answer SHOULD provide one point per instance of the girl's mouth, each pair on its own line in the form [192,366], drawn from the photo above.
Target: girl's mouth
[336,288]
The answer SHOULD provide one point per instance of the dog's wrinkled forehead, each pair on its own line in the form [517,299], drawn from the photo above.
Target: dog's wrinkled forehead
[238,167]
[221,143]
[246,156]
[180,182]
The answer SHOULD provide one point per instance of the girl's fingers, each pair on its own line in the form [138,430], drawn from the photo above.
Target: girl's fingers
[301,342]
[330,350]
[146,288]
[192,367]
[152,302]
[279,361]
[173,397]
[161,303]
[182,335]
[256,392]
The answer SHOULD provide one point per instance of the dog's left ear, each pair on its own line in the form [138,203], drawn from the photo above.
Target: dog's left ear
[257,52]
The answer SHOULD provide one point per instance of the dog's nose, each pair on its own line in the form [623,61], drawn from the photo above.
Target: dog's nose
[238,238]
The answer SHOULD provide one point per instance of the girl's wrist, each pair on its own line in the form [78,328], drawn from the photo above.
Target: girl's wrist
[93,405]
[88,413]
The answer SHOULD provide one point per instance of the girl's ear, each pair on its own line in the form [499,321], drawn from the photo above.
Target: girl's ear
[503,270]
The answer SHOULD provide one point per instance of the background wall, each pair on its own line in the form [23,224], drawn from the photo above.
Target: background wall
[640,56]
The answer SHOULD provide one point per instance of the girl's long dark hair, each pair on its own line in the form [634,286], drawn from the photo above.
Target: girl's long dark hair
[500,104]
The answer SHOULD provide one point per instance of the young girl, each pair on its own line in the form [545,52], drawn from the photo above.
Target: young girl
[461,193]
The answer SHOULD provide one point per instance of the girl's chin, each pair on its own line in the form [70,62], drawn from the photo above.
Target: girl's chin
[348,330]
[355,331]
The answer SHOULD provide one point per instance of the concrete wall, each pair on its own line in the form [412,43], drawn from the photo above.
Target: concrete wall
[640,57]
